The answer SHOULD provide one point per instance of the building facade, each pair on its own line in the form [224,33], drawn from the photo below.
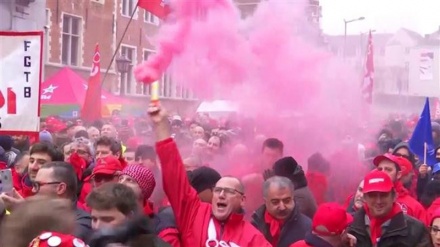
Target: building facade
[22,15]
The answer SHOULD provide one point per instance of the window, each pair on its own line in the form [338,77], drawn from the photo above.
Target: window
[71,40]
[128,6]
[142,88]
[150,18]
[127,78]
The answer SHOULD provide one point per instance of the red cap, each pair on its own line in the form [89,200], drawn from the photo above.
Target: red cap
[404,164]
[108,166]
[54,239]
[387,156]
[377,181]
[330,219]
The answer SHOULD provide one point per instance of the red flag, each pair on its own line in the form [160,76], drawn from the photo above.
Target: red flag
[159,8]
[91,110]
[367,85]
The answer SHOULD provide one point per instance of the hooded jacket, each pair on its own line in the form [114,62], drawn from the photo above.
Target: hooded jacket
[293,229]
[194,217]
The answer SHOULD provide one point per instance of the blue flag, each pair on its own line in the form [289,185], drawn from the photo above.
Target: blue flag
[422,136]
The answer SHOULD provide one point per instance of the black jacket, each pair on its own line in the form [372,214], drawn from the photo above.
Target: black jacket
[83,222]
[293,230]
[402,231]
[164,219]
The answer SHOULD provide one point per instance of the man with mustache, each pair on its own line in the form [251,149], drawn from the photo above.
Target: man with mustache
[201,224]
[279,219]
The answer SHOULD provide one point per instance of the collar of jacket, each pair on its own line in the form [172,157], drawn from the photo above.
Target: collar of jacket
[234,218]
[396,227]
[313,240]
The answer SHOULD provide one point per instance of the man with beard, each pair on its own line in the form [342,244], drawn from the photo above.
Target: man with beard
[279,218]
[381,221]
[202,224]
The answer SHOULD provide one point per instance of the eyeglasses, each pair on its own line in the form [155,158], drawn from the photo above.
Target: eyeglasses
[228,191]
[434,230]
[402,155]
[103,178]
[37,185]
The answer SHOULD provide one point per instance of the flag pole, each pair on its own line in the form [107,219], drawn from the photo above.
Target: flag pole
[119,44]
[425,151]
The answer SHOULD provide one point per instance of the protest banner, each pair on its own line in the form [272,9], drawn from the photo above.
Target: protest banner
[21,62]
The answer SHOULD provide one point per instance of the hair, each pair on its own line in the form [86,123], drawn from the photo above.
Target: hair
[145,152]
[44,213]
[281,182]
[273,143]
[432,192]
[82,133]
[49,149]
[241,187]
[20,156]
[113,195]
[64,172]
[115,146]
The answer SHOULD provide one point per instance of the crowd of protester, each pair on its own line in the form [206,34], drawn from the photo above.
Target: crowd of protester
[169,181]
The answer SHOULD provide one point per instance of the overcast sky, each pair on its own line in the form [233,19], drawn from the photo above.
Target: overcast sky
[422,16]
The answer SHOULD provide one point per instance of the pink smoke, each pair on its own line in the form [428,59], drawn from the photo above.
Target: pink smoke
[262,64]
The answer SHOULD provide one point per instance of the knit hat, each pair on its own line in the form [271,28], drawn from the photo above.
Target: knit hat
[143,177]
[6,142]
[46,136]
[285,167]
[203,178]
[54,239]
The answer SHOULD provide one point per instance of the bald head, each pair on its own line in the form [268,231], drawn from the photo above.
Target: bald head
[231,182]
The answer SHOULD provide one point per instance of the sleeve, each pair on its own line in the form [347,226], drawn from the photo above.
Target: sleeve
[83,227]
[421,185]
[171,236]
[182,197]
[260,241]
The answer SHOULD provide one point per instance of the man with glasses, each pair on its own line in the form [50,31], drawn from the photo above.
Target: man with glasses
[58,180]
[201,224]
[279,219]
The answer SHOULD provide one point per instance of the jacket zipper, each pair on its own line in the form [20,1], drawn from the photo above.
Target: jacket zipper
[222,228]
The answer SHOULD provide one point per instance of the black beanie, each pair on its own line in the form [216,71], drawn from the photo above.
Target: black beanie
[203,178]
[285,167]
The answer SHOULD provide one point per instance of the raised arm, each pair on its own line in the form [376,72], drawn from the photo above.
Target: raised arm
[182,197]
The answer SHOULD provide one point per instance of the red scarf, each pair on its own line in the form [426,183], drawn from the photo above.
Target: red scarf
[274,227]
[376,223]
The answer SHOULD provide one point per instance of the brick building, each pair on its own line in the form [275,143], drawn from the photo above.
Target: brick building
[75,26]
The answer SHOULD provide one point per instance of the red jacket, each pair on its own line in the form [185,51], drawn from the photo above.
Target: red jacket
[194,216]
[171,236]
[26,189]
[410,205]
[318,184]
